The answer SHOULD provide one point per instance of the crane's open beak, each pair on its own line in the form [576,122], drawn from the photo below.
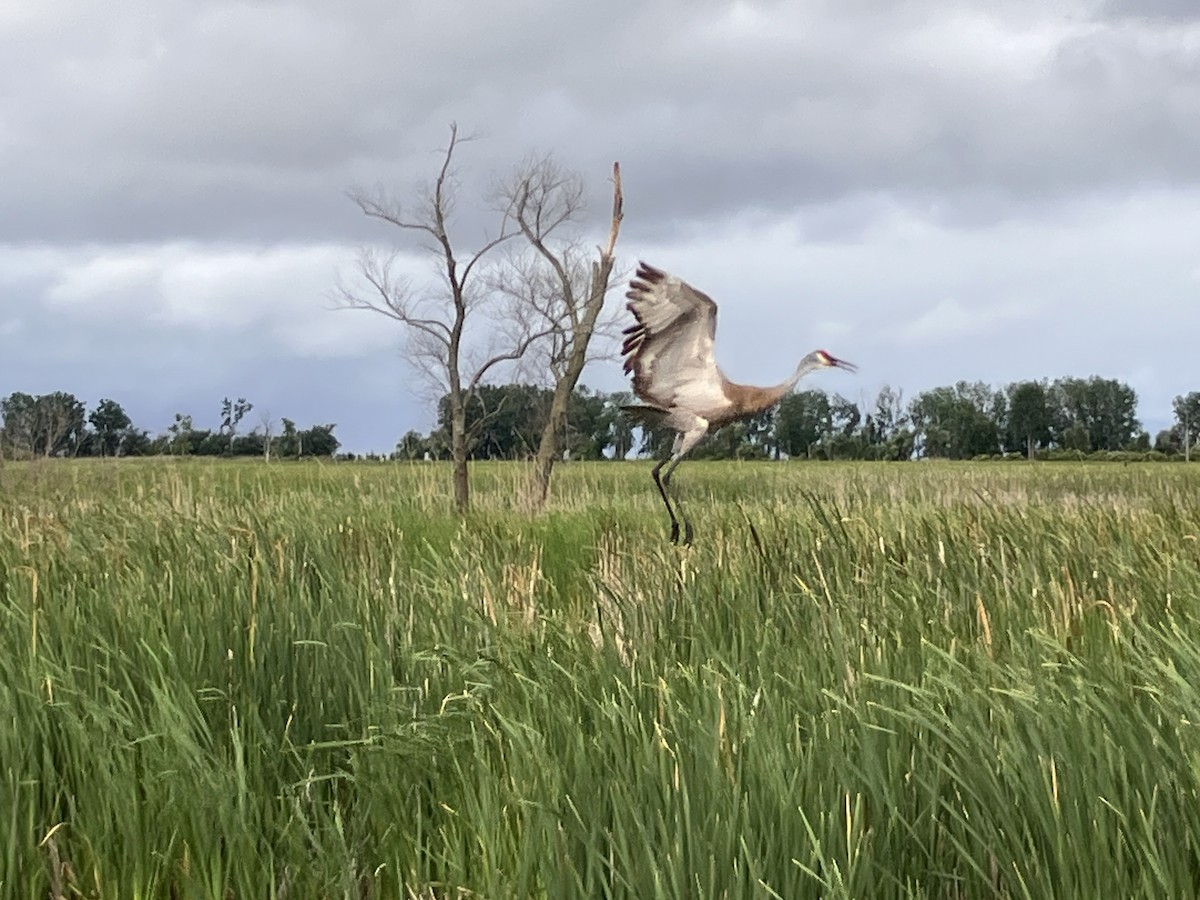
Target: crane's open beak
[842,364]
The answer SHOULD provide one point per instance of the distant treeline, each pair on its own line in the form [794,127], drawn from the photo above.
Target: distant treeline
[1069,417]
[59,424]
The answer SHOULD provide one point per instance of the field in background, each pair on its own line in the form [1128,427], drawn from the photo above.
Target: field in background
[305,680]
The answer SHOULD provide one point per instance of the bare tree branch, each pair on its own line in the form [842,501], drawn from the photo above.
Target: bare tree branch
[555,285]
[516,353]
[443,343]
[392,299]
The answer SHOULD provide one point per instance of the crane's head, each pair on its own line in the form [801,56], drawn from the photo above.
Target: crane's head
[829,361]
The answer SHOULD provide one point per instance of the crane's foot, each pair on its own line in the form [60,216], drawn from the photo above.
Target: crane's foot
[687,533]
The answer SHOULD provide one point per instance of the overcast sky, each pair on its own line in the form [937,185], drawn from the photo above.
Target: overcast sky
[935,191]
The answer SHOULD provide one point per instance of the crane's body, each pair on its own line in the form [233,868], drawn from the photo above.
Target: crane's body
[669,352]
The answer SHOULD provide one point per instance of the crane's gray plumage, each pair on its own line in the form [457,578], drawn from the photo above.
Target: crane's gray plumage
[670,349]
[669,353]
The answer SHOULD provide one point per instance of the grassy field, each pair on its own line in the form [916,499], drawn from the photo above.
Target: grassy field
[302,680]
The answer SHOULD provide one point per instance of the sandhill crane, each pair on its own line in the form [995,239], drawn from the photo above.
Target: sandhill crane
[670,353]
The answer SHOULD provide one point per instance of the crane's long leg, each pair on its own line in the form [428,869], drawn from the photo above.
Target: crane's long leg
[666,502]
[687,523]
[684,442]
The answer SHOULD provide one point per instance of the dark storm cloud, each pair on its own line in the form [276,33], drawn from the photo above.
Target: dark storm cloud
[223,121]
[1178,10]
[935,190]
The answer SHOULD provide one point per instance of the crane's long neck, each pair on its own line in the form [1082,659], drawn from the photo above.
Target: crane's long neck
[808,364]
[748,400]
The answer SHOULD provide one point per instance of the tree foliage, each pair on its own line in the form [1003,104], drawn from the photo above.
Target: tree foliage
[510,419]
[803,419]
[961,421]
[111,427]
[1095,414]
[57,425]
[958,422]
[44,425]
[1186,430]
[1030,417]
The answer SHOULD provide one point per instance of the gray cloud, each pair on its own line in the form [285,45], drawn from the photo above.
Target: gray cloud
[1180,10]
[221,120]
[938,167]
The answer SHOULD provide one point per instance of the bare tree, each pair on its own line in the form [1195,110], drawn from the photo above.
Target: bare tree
[453,358]
[268,427]
[560,286]
[232,414]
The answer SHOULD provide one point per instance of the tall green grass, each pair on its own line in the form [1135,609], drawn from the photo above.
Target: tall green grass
[938,681]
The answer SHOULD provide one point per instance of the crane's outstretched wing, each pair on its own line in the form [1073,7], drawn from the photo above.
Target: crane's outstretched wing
[670,349]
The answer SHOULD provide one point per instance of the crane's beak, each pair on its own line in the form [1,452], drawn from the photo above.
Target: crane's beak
[842,364]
